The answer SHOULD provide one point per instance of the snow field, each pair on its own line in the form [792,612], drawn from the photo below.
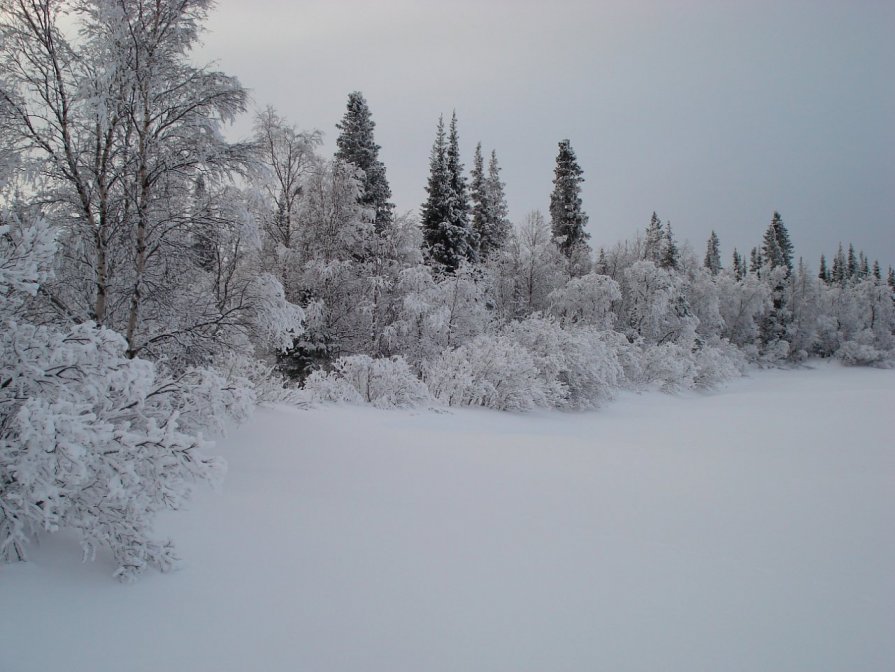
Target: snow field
[747,529]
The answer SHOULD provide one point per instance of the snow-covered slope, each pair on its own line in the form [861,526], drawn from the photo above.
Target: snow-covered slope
[750,529]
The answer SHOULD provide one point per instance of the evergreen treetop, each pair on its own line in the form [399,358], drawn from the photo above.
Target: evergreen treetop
[713,254]
[776,245]
[448,237]
[567,217]
[357,147]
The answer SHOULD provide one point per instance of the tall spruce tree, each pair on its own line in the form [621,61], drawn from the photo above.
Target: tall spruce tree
[671,256]
[851,269]
[655,236]
[357,147]
[755,261]
[713,254]
[838,276]
[498,226]
[448,236]
[479,197]
[776,245]
[739,270]
[567,217]
[823,273]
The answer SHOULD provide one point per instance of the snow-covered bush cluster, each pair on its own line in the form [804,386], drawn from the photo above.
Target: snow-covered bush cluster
[382,382]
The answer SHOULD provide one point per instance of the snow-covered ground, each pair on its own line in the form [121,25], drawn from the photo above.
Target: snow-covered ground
[748,529]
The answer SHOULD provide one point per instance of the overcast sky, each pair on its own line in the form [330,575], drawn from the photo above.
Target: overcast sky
[713,113]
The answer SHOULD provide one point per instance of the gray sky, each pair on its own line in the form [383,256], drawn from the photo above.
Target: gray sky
[714,113]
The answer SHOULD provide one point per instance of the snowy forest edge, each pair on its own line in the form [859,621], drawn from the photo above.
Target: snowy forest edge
[157,281]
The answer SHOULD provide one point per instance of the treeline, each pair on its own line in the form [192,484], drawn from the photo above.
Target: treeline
[157,280]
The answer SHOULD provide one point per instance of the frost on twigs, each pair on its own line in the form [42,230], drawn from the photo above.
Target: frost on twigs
[384,383]
[91,440]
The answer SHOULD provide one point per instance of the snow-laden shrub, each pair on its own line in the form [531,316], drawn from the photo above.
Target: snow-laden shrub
[491,371]
[716,362]
[384,383]
[90,439]
[670,366]
[582,362]
[436,313]
[266,381]
[862,351]
[97,442]
[586,300]
[773,354]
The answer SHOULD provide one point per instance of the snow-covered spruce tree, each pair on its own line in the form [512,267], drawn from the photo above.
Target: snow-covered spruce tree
[671,256]
[823,273]
[567,217]
[478,198]
[777,249]
[90,439]
[357,146]
[489,207]
[713,254]
[777,253]
[653,247]
[448,236]
[123,129]
[738,265]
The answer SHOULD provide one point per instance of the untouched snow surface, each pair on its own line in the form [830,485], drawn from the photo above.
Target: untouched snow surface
[749,529]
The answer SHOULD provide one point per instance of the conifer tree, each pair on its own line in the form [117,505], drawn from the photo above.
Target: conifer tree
[357,147]
[739,269]
[498,215]
[489,207]
[755,261]
[838,275]
[567,217]
[654,239]
[823,273]
[478,196]
[776,246]
[602,265]
[713,254]
[670,255]
[448,237]
[877,274]
[851,269]
[890,279]
[863,267]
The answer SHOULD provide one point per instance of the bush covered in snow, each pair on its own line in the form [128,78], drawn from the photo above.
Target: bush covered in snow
[491,371]
[90,439]
[581,362]
[384,383]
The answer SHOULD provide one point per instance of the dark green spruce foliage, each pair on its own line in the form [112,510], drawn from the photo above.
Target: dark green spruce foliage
[671,256]
[739,265]
[713,254]
[490,217]
[357,147]
[776,246]
[655,237]
[448,236]
[823,273]
[567,217]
